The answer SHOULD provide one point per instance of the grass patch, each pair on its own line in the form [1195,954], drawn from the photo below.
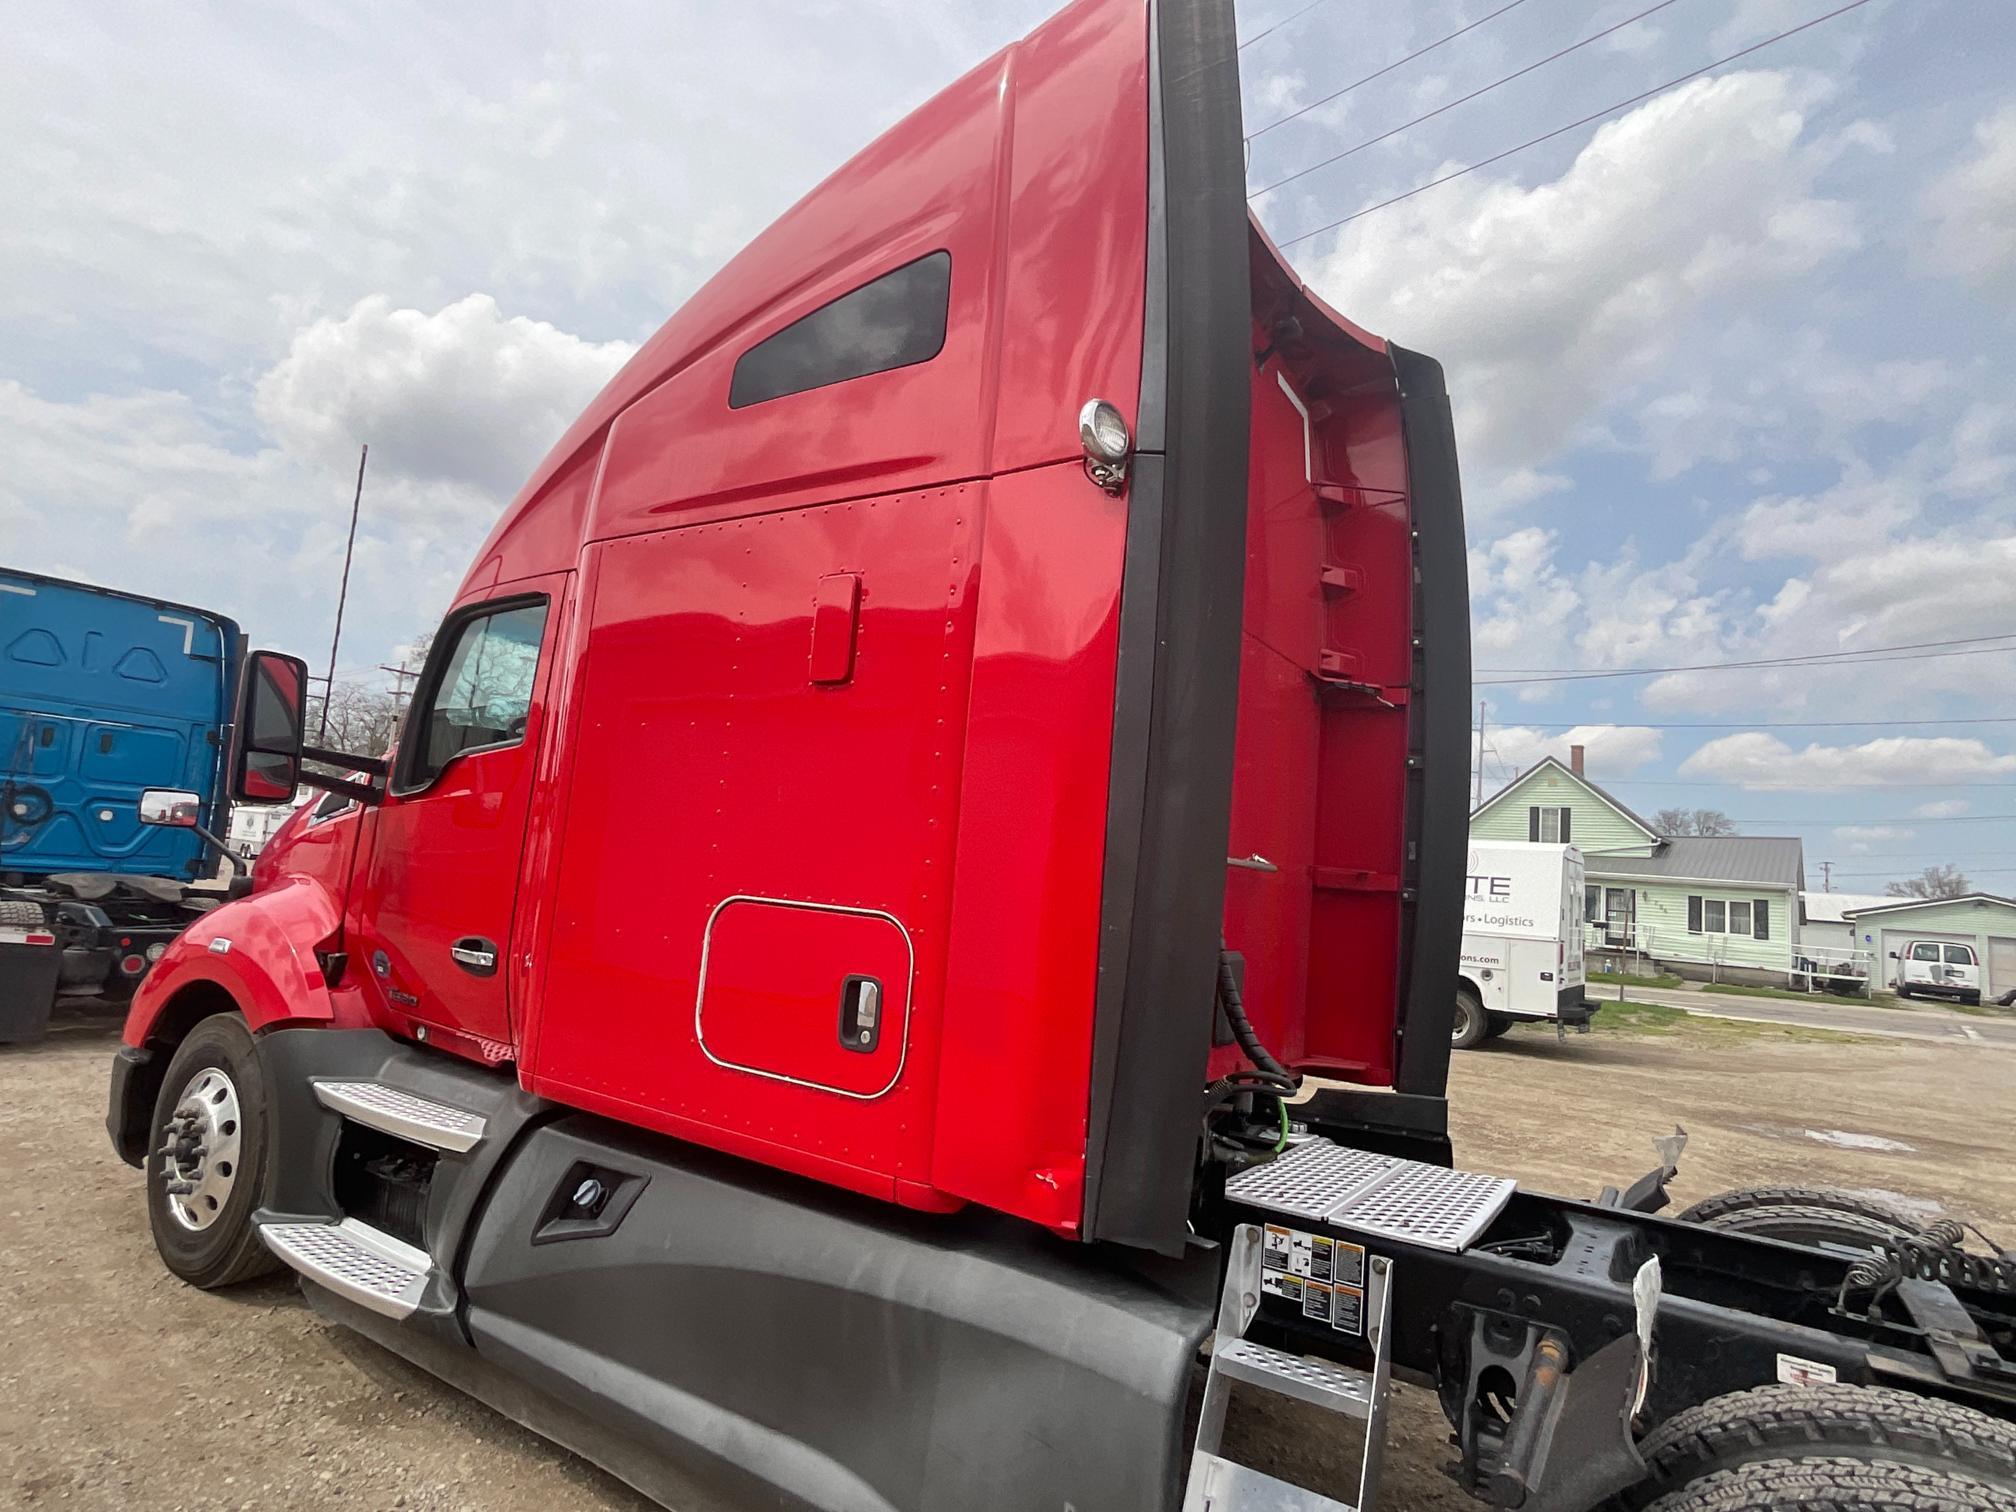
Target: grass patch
[1736,989]
[1659,1021]
[1625,979]
[1976,1010]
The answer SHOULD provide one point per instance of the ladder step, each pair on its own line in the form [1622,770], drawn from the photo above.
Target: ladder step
[406,1114]
[1337,1388]
[354,1260]
[1222,1485]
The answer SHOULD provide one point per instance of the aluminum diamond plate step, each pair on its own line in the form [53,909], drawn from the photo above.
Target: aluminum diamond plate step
[1380,1195]
[1222,1485]
[1336,1388]
[356,1261]
[406,1114]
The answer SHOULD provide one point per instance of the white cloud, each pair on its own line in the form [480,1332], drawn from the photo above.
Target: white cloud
[1610,752]
[1594,278]
[464,395]
[1942,808]
[1859,837]
[1971,209]
[1764,763]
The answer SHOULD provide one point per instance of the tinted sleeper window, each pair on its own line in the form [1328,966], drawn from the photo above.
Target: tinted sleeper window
[894,322]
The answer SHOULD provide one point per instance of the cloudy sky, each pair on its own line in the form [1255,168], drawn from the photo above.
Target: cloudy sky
[1733,366]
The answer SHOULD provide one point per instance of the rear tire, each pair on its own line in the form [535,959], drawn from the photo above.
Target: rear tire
[1497,1024]
[1805,1215]
[1835,1485]
[208,1141]
[1468,1031]
[1971,999]
[1904,992]
[1861,1423]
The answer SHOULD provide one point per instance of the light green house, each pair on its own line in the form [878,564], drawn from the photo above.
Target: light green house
[1983,920]
[1722,907]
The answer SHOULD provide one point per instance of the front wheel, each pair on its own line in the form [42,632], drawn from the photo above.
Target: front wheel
[1471,1024]
[206,1161]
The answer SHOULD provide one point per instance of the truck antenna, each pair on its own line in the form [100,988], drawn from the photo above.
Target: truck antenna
[342,594]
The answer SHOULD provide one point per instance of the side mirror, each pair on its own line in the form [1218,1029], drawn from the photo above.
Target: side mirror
[272,724]
[1893,955]
[171,807]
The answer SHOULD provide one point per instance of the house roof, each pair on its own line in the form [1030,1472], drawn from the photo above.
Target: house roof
[1763,860]
[1562,767]
[1899,905]
[1834,908]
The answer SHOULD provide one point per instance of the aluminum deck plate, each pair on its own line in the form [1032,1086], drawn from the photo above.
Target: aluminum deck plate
[1379,1195]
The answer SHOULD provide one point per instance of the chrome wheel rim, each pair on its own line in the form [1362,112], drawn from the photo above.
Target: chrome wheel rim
[1462,1025]
[199,1149]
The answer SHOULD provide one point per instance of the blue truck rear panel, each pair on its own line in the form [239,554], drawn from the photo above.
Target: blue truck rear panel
[103,694]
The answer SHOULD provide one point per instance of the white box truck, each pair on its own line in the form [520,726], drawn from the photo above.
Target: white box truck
[1522,941]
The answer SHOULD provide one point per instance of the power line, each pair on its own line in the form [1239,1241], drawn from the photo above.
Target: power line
[1786,724]
[1377,74]
[1979,871]
[1850,821]
[1846,787]
[1553,57]
[1499,157]
[1918,651]
[1296,16]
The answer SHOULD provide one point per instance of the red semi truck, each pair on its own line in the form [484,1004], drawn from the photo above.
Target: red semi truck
[823,1007]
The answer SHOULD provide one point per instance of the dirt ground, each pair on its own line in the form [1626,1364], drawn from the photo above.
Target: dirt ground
[121,1388]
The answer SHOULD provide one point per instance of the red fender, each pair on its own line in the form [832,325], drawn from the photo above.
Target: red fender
[260,949]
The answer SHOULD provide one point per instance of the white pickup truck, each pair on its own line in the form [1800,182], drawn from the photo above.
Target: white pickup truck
[1522,941]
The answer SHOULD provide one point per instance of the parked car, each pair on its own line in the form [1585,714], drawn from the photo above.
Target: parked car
[1938,968]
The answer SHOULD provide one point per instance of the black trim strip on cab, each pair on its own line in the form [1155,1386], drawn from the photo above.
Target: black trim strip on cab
[1438,738]
[1177,688]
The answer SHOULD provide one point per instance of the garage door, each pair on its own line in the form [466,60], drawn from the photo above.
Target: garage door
[2001,965]
[1897,939]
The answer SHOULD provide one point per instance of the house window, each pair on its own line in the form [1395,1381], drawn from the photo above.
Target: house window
[1592,905]
[894,322]
[1546,825]
[1747,917]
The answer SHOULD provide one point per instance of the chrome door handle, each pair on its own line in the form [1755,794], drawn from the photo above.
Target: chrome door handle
[474,955]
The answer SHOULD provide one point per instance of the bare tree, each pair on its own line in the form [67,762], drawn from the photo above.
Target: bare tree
[362,720]
[1941,881]
[1700,821]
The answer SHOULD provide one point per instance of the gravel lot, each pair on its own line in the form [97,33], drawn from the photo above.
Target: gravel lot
[124,1389]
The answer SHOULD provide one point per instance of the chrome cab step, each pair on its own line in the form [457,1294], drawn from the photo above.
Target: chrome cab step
[405,1114]
[355,1261]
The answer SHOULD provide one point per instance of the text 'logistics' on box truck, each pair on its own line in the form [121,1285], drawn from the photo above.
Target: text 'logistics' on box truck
[1522,941]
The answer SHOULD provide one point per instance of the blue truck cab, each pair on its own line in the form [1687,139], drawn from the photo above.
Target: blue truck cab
[103,695]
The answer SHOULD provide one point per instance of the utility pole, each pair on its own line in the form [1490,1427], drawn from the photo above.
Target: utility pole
[342,595]
[400,674]
[1826,876]
[1477,794]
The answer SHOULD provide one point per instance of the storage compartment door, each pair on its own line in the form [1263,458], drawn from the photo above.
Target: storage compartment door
[814,995]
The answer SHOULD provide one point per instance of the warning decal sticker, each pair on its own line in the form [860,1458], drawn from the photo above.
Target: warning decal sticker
[1324,1277]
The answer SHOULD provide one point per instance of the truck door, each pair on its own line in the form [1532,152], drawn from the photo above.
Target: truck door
[433,918]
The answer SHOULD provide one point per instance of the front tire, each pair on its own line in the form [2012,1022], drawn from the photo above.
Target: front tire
[206,1157]
[1471,1024]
